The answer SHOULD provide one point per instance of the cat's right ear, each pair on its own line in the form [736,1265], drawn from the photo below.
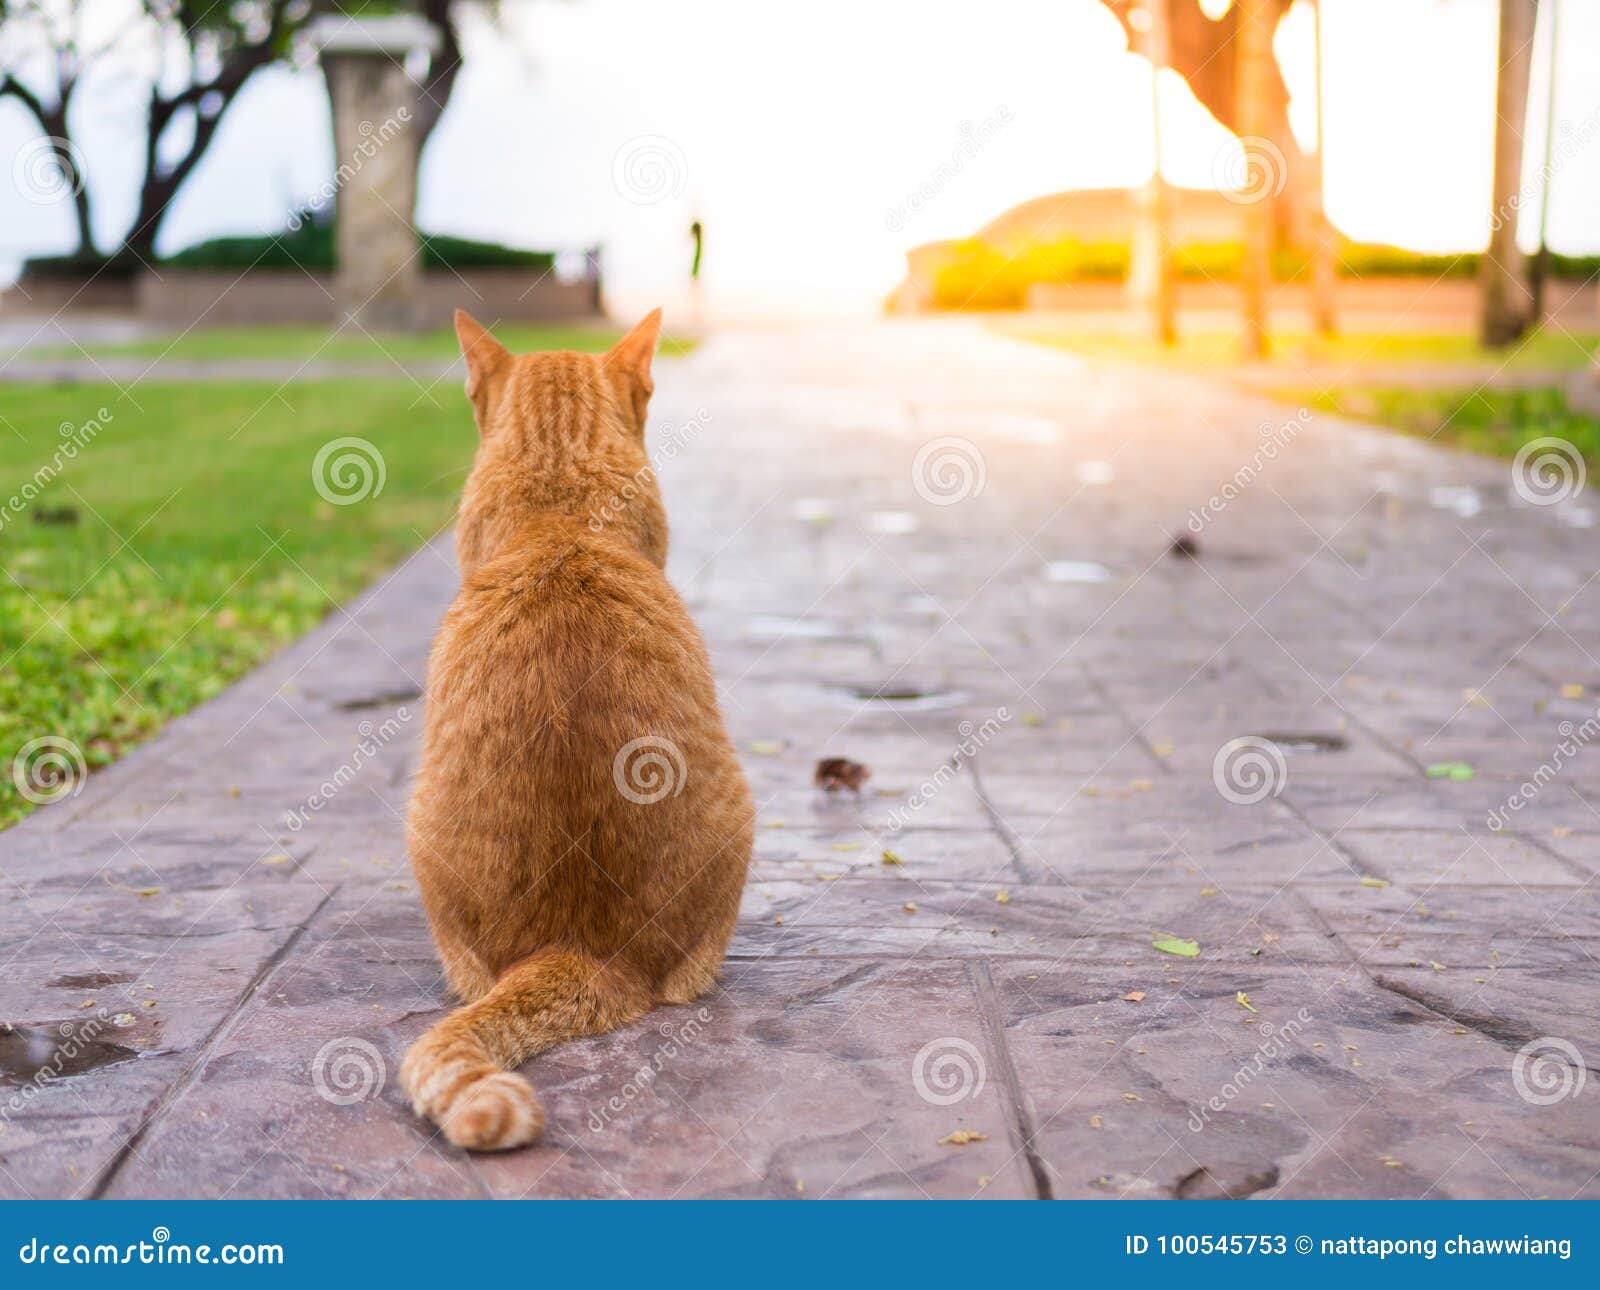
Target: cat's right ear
[486,357]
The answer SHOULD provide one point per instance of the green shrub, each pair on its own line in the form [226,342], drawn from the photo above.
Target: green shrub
[310,245]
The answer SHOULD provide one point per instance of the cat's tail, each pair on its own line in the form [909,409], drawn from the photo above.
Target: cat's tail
[457,1075]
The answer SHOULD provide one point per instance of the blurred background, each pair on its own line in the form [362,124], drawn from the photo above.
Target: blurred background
[805,142]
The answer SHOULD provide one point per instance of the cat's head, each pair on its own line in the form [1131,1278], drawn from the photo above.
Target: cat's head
[559,434]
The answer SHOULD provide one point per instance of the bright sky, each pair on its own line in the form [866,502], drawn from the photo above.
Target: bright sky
[793,132]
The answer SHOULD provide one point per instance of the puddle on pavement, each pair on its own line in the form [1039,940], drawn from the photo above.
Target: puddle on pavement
[902,696]
[776,627]
[1307,743]
[89,980]
[378,699]
[1076,571]
[817,511]
[1462,499]
[893,523]
[55,1051]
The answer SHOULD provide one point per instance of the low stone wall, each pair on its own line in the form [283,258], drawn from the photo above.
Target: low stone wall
[179,298]
[182,298]
[53,293]
[1409,303]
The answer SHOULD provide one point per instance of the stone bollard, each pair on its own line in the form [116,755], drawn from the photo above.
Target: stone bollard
[378,263]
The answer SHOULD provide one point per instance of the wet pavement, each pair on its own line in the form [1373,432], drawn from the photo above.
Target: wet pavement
[1259,867]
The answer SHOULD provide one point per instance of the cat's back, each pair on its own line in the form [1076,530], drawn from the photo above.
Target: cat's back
[575,632]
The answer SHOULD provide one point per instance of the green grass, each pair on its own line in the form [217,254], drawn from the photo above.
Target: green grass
[1546,348]
[185,541]
[1493,421]
[306,343]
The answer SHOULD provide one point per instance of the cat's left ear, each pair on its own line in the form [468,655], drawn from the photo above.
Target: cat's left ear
[628,364]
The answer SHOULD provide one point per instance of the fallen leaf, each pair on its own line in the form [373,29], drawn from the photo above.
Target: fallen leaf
[1374,882]
[1243,1000]
[1209,891]
[1132,1097]
[1134,996]
[961,1137]
[1002,897]
[845,846]
[1094,1121]
[1176,945]
[1032,719]
[766,747]
[909,907]
[1572,692]
[891,857]
[1457,770]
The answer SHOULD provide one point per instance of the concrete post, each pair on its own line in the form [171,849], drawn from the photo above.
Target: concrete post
[378,269]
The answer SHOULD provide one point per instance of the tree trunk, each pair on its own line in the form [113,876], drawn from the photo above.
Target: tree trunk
[1256,20]
[1504,299]
[1539,269]
[442,70]
[1323,277]
[1150,259]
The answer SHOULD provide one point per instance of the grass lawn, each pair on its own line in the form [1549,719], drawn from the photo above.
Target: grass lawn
[1548,347]
[1493,421]
[350,344]
[185,541]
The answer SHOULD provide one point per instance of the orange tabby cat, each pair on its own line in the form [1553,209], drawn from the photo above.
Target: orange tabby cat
[580,826]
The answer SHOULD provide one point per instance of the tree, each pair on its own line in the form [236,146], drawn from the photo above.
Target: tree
[1205,52]
[219,46]
[1503,300]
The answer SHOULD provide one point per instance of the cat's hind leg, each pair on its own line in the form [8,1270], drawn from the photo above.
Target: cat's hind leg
[697,973]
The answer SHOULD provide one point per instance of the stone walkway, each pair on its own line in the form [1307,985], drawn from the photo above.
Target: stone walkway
[1042,691]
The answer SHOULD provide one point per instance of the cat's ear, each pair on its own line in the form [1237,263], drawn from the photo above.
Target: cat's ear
[484,354]
[628,364]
